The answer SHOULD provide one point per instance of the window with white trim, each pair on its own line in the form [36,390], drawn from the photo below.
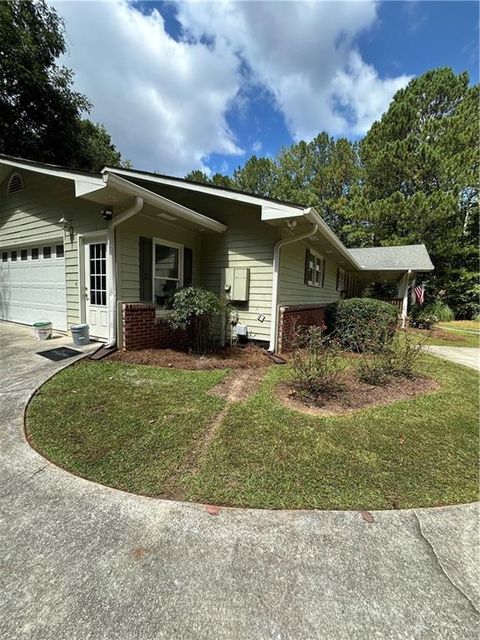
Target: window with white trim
[340,279]
[315,269]
[167,271]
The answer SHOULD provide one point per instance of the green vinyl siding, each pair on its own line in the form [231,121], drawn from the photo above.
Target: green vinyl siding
[246,243]
[31,216]
[292,289]
[128,250]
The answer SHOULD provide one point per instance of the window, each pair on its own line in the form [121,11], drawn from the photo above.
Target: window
[15,183]
[13,256]
[47,252]
[59,251]
[340,279]
[4,256]
[34,254]
[23,254]
[314,269]
[167,269]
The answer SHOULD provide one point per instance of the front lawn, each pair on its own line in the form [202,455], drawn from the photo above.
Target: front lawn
[143,429]
[446,336]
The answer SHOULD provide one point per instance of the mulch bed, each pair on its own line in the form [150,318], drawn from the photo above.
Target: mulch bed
[355,394]
[249,357]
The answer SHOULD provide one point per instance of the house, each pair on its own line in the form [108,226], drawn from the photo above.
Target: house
[108,249]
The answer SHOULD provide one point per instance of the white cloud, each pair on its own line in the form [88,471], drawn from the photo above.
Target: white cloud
[164,102]
[257,146]
[304,53]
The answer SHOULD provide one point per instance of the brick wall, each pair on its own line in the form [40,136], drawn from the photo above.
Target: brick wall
[292,317]
[143,330]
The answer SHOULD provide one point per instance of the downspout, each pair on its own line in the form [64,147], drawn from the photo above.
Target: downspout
[405,299]
[276,272]
[112,296]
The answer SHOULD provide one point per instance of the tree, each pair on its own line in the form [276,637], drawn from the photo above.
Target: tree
[258,175]
[420,164]
[40,113]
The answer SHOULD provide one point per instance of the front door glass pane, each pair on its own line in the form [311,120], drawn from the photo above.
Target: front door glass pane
[98,274]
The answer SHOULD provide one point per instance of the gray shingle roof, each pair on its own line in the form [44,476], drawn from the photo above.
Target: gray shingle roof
[402,258]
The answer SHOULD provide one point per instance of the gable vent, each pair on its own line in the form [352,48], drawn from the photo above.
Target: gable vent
[15,183]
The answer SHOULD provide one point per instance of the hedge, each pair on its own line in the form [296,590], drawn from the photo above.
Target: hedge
[361,324]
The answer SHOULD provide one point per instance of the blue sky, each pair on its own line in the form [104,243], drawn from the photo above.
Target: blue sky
[206,85]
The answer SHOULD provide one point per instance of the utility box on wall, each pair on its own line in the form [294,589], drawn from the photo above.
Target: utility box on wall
[237,283]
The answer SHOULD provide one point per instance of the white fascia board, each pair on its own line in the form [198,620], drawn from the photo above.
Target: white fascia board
[200,188]
[130,188]
[83,184]
[278,212]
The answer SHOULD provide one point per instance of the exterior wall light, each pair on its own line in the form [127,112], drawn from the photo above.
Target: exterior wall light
[107,214]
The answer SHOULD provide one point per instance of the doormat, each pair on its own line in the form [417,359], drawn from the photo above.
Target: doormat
[62,353]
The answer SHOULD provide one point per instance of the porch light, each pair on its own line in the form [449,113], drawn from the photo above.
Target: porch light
[66,225]
[107,214]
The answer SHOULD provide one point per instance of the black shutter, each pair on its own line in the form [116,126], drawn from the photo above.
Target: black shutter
[146,260]
[324,267]
[307,266]
[187,267]
[338,278]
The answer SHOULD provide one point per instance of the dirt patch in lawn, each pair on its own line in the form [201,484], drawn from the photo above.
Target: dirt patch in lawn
[354,395]
[249,357]
[239,385]
[440,334]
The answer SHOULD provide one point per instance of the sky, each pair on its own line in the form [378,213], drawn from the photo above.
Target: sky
[206,85]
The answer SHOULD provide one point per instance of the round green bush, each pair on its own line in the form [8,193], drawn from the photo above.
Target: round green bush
[361,324]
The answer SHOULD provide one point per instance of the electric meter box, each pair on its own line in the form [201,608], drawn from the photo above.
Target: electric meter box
[237,283]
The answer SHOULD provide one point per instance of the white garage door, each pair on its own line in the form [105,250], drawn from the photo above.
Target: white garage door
[32,285]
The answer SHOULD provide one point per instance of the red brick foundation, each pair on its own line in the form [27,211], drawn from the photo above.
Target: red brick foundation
[294,317]
[143,330]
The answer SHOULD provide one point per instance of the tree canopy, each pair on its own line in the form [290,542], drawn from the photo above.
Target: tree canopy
[40,113]
[412,179]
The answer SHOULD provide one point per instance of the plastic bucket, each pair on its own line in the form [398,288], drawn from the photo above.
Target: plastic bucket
[80,334]
[43,329]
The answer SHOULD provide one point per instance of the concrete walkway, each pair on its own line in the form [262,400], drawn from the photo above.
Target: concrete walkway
[80,561]
[468,356]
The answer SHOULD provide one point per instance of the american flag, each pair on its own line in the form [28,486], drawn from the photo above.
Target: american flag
[419,293]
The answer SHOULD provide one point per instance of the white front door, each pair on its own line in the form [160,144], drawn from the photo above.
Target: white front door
[96,290]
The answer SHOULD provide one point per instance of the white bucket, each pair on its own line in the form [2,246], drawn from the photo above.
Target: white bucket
[43,329]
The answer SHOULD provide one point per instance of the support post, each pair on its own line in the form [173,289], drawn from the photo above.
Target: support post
[406,278]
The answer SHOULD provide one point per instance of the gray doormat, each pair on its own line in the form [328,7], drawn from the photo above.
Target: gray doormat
[62,353]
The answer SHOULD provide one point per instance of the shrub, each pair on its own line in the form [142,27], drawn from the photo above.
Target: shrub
[425,321]
[440,310]
[400,359]
[317,363]
[362,324]
[403,357]
[468,311]
[199,312]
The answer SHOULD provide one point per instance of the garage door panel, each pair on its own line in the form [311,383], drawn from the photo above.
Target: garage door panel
[31,290]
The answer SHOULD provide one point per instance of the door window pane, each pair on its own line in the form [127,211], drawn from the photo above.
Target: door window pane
[98,274]
[47,252]
[34,254]
[59,250]
[23,254]
[4,256]
[13,256]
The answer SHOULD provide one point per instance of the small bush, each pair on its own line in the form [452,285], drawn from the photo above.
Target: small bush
[362,324]
[440,310]
[468,311]
[425,321]
[403,357]
[199,312]
[317,364]
[400,359]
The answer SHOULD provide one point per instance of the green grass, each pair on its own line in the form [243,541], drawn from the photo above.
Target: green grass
[122,425]
[132,427]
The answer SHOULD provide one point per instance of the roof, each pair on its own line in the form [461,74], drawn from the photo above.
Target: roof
[12,160]
[412,257]
[149,175]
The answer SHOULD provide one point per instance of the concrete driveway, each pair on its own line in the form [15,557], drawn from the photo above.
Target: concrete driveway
[468,356]
[81,561]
